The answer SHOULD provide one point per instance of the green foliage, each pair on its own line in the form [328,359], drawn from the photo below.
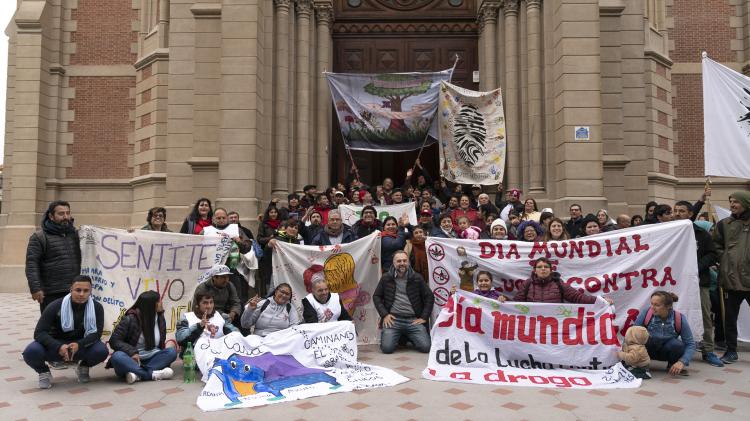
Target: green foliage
[403,92]
[360,134]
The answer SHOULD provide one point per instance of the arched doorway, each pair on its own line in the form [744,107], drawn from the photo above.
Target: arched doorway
[386,36]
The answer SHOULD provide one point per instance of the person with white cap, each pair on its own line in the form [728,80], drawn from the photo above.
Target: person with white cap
[498,230]
[226,300]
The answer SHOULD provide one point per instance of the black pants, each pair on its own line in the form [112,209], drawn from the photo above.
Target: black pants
[732,302]
[718,317]
[49,298]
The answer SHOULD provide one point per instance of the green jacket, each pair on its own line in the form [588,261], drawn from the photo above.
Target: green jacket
[732,240]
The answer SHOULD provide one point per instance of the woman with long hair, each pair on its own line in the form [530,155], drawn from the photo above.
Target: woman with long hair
[200,217]
[556,231]
[530,210]
[138,342]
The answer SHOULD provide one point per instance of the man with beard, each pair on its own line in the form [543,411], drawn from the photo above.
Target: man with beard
[368,224]
[322,305]
[226,300]
[404,302]
[315,226]
[53,255]
[732,241]
[334,232]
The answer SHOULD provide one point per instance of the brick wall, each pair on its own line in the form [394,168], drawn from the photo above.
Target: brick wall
[104,33]
[101,127]
[699,25]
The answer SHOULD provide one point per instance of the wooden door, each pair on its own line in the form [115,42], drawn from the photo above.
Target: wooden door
[388,54]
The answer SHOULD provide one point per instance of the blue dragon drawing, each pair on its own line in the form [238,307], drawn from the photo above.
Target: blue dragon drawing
[243,376]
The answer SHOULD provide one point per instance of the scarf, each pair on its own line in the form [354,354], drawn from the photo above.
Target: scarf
[53,228]
[331,232]
[389,234]
[200,224]
[89,316]
[420,258]
[273,223]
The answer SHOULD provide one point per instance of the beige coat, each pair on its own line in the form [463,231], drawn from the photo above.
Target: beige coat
[634,349]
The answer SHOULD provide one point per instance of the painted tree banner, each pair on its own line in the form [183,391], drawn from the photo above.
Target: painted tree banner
[480,340]
[626,265]
[472,135]
[352,213]
[352,270]
[302,361]
[387,112]
[122,265]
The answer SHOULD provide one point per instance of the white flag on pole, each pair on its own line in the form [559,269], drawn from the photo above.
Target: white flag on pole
[726,120]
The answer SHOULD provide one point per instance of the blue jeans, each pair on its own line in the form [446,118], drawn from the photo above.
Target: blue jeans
[124,364]
[36,354]
[670,350]
[417,334]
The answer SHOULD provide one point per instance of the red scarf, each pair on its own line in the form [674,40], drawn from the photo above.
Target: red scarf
[389,234]
[200,224]
[274,223]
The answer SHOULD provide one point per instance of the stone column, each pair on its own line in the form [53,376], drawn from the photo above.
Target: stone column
[534,66]
[512,123]
[279,186]
[302,149]
[324,18]
[488,21]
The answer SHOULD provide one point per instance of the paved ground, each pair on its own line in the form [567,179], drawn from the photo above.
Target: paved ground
[709,393]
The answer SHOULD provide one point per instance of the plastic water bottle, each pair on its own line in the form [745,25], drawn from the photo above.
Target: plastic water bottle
[188,364]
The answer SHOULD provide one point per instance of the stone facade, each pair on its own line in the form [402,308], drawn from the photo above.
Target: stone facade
[118,106]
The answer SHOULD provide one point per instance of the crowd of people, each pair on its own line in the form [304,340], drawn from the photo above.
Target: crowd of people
[70,326]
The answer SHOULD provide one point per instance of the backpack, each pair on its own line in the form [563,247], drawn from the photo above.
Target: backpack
[677,319]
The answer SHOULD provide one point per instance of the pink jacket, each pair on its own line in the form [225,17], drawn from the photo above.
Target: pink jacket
[535,290]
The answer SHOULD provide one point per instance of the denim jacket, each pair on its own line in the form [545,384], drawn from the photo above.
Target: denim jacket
[663,330]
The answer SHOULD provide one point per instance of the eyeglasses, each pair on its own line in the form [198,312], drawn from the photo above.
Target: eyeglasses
[158,215]
[283,292]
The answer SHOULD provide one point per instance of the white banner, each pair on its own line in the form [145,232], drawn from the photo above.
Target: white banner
[351,214]
[472,135]
[480,340]
[726,120]
[122,265]
[352,270]
[296,363]
[626,265]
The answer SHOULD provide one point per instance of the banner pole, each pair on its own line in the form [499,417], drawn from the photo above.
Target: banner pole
[354,165]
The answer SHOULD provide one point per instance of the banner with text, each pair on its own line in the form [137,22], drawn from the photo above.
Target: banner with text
[351,213]
[626,265]
[300,362]
[122,265]
[352,270]
[480,340]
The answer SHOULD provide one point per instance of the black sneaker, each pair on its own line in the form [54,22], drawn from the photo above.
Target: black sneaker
[729,357]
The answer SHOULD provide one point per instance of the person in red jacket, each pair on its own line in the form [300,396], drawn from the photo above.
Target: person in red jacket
[546,286]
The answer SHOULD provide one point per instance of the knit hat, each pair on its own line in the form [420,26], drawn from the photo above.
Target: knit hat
[515,193]
[497,222]
[743,197]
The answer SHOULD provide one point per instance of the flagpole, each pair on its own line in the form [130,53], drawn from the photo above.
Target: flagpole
[453,68]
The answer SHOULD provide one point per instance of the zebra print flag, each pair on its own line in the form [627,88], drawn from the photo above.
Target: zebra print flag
[472,135]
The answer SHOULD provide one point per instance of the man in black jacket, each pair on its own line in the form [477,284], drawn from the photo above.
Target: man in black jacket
[69,330]
[573,226]
[707,257]
[53,256]
[404,303]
